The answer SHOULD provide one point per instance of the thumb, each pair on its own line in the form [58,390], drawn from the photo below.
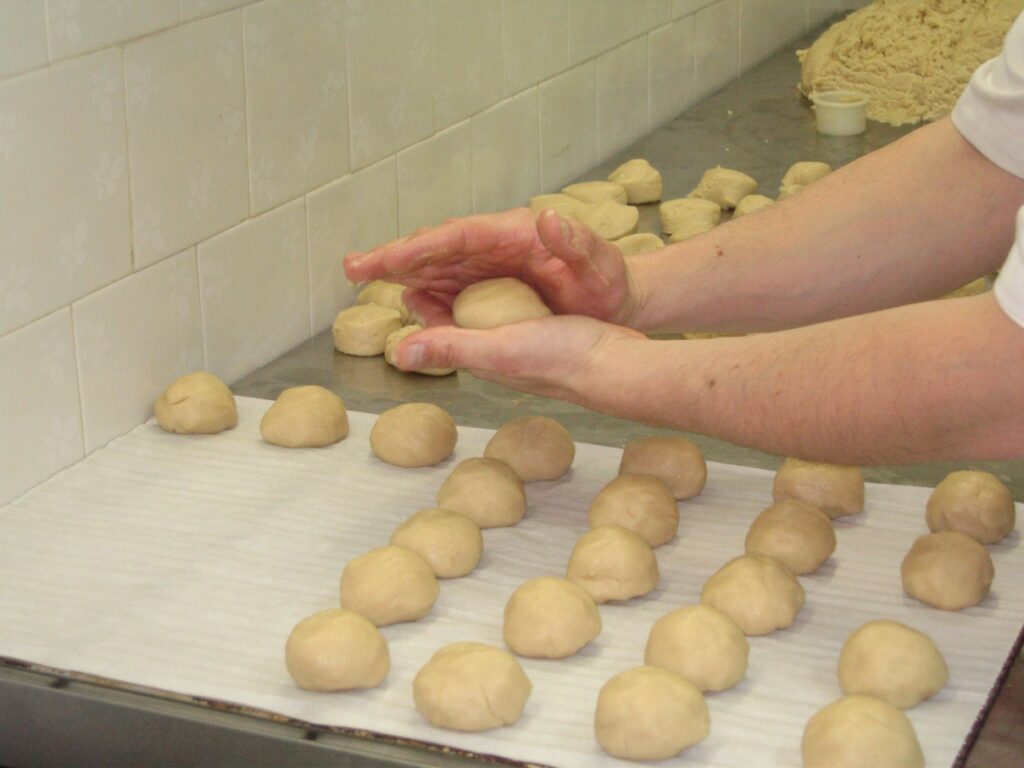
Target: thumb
[448,347]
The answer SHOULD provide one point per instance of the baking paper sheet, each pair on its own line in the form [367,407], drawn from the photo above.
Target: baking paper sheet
[182,563]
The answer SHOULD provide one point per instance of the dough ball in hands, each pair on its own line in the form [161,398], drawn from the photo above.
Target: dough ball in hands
[860,731]
[391,345]
[385,294]
[363,330]
[487,491]
[550,618]
[450,543]
[536,447]
[413,435]
[389,585]
[796,534]
[947,570]
[610,220]
[689,216]
[305,417]
[893,662]
[701,644]
[597,192]
[642,242]
[336,650]
[675,460]
[612,563]
[640,179]
[649,713]
[756,592]
[642,504]
[751,204]
[471,687]
[724,186]
[495,302]
[566,206]
[834,489]
[972,502]
[197,403]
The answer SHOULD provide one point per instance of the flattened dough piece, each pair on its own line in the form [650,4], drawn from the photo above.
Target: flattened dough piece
[972,502]
[642,504]
[305,417]
[751,204]
[597,191]
[391,344]
[363,330]
[549,618]
[756,592]
[801,174]
[413,435]
[486,490]
[724,186]
[389,585]
[947,570]
[678,462]
[450,543]
[835,489]
[495,302]
[610,220]
[689,215]
[642,242]
[536,447]
[859,731]
[701,644]
[336,650]
[566,206]
[640,179]
[612,563]
[798,535]
[197,403]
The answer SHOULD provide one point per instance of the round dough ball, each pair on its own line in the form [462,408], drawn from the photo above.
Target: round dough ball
[947,570]
[860,731]
[975,503]
[642,504]
[196,404]
[643,242]
[450,543]
[536,447]
[471,687]
[834,489]
[689,215]
[612,563]
[755,591]
[610,220]
[893,662]
[796,534]
[389,585]
[336,650]
[649,713]
[413,435]
[305,417]
[391,344]
[675,460]
[487,491]
[385,294]
[724,186]
[597,191]
[549,618]
[566,206]
[363,329]
[495,302]
[701,644]
[640,179]
[751,204]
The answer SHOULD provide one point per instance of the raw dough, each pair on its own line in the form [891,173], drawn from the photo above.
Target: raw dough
[649,713]
[689,215]
[640,179]
[450,543]
[363,330]
[413,435]
[471,687]
[860,731]
[724,186]
[612,563]
[196,404]
[755,591]
[498,301]
[566,206]
[796,534]
[610,220]
[701,644]
[893,662]
[549,618]
[385,294]
[486,490]
[389,585]
[805,172]
[947,570]
[972,502]
[642,242]
[834,489]
[751,204]
[336,650]
[305,417]
[391,344]
[642,504]
[536,447]
[597,191]
[675,460]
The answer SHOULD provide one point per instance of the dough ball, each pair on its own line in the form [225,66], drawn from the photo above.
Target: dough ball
[499,301]
[690,215]
[796,534]
[947,570]
[756,592]
[751,204]
[471,687]
[413,435]
[804,172]
[675,460]
[549,618]
[640,179]
[389,585]
[305,417]
[597,191]
[834,489]
[649,713]
[336,650]
[642,504]
[893,662]
[450,543]
[363,330]
[487,491]
[860,731]
[701,644]
[536,447]
[566,206]
[975,503]
[724,186]
[196,404]
[610,220]
[385,294]
[391,344]
[612,563]
[643,242]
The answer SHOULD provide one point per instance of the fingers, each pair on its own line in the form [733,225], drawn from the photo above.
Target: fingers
[447,347]
[429,308]
[576,244]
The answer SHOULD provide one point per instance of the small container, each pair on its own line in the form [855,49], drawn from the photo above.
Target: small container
[840,113]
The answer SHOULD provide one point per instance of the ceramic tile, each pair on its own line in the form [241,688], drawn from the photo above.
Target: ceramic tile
[41,428]
[506,154]
[596,26]
[672,60]
[682,8]
[296,98]
[124,366]
[536,41]
[623,96]
[65,220]
[435,179]
[197,9]
[254,284]
[831,10]
[22,36]
[766,26]
[568,126]
[354,213]
[466,47]
[717,43]
[186,135]
[391,94]
[74,27]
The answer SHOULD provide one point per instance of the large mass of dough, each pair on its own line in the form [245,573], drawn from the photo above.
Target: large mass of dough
[413,435]
[834,489]
[860,731]
[486,490]
[972,502]
[612,563]
[550,618]
[305,417]
[686,217]
[610,220]
[796,534]
[756,592]
[336,650]
[197,403]
[640,179]
[363,330]
[642,504]
[471,687]
[536,447]
[495,302]
[597,192]
[450,543]
[391,345]
[947,570]
[389,585]
[677,461]
[385,294]
[701,644]
[724,186]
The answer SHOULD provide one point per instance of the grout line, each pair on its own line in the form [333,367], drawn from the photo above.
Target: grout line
[78,374]
[348,91]
[132,255]
[202,308]
[245,115]
[309,265]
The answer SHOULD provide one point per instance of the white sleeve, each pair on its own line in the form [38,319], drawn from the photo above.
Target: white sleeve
[1009,288]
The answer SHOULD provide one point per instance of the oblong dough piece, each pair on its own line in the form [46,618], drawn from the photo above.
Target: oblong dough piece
[800,174]
[642,504]
[857,731]
[536,447]
[550,618]
[495,302]
[197,403]
[640,179]
[724,186]
[796,534]
[486,490]
[389,585]
[413,435]
[701,644]
[835,489]
[336,650]
[596,192]
[689,214]
[391,344]
[972,502]
[612,563]
[642,242]
[385,294]
[450,543]
[305,417]
[756,592]
[566,206]
[610,220]
[947,570]
[672,458]
[363,330]
[751,204]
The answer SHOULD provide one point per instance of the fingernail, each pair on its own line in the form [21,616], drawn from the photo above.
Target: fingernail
[566,231]
[415,355]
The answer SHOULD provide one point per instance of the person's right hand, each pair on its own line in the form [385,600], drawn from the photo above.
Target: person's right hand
[574,270]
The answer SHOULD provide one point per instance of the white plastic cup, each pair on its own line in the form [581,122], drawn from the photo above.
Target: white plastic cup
[840,113]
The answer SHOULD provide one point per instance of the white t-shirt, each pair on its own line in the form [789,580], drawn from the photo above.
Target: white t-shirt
[990,115]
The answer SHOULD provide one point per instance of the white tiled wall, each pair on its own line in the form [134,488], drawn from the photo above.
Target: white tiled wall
[180,178]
